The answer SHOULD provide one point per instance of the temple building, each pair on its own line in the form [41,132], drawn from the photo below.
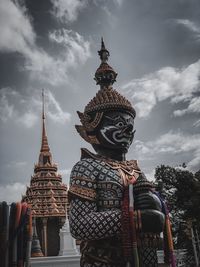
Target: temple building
[47,196]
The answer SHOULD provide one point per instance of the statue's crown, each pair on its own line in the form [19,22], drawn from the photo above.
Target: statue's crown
[108,98]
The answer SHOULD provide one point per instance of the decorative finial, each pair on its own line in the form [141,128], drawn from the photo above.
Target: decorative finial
[105,76]
[44,145]
[43,112]
[102,43]
[103,53]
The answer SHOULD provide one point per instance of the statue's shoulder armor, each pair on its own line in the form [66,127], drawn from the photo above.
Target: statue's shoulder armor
[83,178]
[84,169]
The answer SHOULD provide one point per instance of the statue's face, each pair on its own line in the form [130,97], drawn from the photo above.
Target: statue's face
[116,130]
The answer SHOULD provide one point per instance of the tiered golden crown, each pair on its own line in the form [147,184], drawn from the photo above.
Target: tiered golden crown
[108,99]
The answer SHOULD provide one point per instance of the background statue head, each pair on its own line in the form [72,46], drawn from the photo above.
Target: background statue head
[108,119]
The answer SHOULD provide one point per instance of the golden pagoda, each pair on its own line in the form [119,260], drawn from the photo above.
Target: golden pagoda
[47,196]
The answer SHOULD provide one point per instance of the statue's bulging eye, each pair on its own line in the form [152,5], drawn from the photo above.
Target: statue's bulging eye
[120,124]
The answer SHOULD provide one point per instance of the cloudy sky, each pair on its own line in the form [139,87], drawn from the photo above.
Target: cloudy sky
[52,44]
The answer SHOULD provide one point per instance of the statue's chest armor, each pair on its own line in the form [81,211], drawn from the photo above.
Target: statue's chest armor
[109,187]
[106,179]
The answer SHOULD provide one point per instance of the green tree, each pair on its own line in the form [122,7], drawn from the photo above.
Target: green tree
[181,189]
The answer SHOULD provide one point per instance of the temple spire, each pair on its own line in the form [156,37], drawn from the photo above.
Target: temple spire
[47,196]
[44,145]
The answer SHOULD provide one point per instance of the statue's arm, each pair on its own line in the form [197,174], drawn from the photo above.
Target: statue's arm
[88,224]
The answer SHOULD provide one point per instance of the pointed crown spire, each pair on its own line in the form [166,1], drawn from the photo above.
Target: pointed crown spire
[103,53]
[44,144]
[105,76]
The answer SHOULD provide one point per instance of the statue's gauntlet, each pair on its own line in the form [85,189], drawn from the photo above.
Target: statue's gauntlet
[150,217]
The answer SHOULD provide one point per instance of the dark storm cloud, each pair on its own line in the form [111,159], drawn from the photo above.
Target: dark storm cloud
[39,64]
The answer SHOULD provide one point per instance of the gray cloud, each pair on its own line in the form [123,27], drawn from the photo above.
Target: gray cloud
[27,112]
[191,26]
[6,109]
[16,25]
[193,107]
[177,85]
[67,10]
[197,123]
[17,34]
[12,192]
[55,111]
[173,143]
[77,50]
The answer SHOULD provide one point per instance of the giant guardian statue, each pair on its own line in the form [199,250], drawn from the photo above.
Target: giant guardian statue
[114,209]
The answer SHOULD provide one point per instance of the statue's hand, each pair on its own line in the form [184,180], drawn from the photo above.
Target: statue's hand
[151,215]
[152,221]
[148,200]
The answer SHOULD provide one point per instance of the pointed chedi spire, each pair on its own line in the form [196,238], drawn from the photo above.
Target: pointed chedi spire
[46,189]
[45,154]
[44,144]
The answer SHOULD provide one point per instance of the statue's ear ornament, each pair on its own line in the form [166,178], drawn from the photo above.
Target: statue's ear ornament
[92,139]
[87,129]
[85,120]
[97,119]
[89,124]
[81,116]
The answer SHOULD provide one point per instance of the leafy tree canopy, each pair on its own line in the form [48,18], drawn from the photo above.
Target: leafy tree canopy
[181,189]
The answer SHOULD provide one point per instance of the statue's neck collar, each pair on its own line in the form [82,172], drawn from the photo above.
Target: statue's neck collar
[128,165]
[85,153]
